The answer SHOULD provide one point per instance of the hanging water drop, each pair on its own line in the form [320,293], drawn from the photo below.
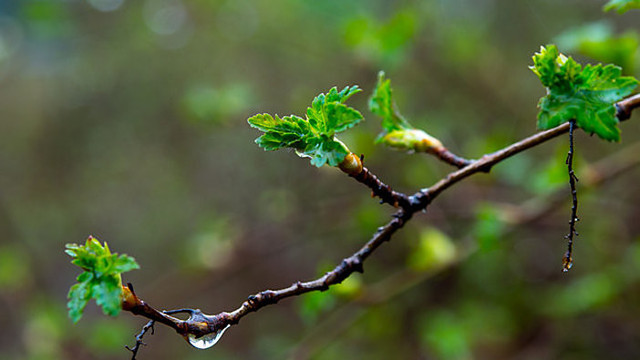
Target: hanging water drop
[206,341]
[567,263]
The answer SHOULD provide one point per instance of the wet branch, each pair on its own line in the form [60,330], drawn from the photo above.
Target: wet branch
[200,324]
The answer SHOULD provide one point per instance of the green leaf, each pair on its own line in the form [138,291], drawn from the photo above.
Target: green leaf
[287,125]
[325,151]
[79,296]
[381,103]
[107,293]
[124,263]
[325,123]
[313,137]
[101,279]
[288,131]
[341,117]
[622,6]
[585,94]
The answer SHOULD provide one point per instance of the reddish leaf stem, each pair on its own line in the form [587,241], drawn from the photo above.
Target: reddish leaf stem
[450,158]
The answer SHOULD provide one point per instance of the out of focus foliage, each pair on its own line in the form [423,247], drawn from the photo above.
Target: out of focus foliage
[622,6]
[127,120]
[599,41]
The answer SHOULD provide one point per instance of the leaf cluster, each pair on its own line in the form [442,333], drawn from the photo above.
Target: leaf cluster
[586,94]
[101,279]
[313,136]
[622,6]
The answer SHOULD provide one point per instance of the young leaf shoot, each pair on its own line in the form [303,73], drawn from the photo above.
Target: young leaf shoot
[101,279]
[396,131]
[314,136]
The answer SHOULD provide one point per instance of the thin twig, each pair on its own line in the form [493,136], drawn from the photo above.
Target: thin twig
[380,189]
[139,343]
[423,197]
[626,106]
[333,277]
[450,158]
[567,261]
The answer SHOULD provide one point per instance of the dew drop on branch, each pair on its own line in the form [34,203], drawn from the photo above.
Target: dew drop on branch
[206,341]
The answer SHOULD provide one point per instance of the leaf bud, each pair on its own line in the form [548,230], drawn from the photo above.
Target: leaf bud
[351,164]
[412,139]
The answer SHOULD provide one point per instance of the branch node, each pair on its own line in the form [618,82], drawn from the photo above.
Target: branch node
[419,200]
[269,297]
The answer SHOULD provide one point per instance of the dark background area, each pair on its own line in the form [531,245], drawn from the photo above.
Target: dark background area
[126,120]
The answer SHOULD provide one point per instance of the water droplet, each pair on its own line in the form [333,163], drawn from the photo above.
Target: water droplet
[567,263]
[206,341]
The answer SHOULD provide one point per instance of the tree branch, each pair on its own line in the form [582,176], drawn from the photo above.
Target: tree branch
[626,106]
[450,158]
[380,189]
[134,350]
[199,324]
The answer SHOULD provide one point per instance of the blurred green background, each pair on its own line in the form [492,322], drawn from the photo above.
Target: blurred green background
[127,120]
